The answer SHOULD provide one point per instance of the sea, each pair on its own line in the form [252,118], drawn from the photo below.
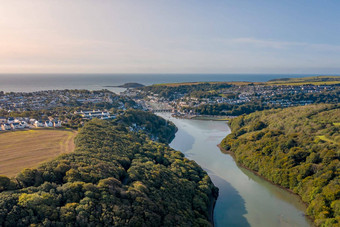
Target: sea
[38,82]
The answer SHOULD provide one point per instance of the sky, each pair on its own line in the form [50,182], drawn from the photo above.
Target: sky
[170,36]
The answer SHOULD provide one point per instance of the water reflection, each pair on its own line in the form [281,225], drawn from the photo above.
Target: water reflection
[230,204]
[245,199]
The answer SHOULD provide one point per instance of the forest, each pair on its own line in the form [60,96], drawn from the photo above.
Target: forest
[122,173]
[297,148]
[172,92]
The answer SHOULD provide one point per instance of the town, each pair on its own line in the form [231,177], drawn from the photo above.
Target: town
[21,101]
[185,101]
[59,108]
[72,108]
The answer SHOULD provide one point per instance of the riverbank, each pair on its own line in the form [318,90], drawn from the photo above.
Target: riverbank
[212,209]
[232,154]
[204,117]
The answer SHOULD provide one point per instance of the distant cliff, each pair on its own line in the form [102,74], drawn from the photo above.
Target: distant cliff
[129,85]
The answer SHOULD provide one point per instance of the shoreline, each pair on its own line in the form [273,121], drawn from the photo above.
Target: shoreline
[212,210]
[232,154]
[204,117]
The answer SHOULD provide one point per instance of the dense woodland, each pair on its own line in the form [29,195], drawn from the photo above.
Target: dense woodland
[172,92]
[117,176]
[297,148]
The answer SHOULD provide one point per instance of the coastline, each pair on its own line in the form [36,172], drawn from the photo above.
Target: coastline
[277,185]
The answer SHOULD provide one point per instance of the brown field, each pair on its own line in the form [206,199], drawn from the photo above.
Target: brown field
[29,148]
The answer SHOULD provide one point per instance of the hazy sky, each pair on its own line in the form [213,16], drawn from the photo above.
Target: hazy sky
[170,36]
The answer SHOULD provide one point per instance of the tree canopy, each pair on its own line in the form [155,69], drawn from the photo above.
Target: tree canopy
[118,176]
[297,148]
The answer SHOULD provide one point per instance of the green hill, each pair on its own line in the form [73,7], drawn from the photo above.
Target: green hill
[117,176]
[297,148]
[315,80]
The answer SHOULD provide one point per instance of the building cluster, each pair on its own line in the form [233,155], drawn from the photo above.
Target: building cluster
[90,114]
[23,101]
[12,123]
[233,95]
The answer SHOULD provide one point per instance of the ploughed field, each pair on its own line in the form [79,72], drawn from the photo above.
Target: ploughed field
[26,149]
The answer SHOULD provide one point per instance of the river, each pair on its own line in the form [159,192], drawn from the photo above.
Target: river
[244,198]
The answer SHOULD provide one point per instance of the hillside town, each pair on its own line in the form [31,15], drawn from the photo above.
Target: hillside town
[186,103]
[22,101]
[58,108]
[12,123]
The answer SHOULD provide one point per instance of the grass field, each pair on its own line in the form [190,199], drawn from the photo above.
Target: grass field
[316,80]
[29,148]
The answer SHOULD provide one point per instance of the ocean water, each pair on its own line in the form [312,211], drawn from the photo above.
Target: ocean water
[38,82]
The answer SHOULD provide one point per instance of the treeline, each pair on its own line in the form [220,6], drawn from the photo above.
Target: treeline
[116,177]
[229,109]
[297,148]
[156,127]
[171,92]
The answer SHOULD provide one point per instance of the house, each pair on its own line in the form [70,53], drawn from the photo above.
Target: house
[3,120]
[48,124]
[6,127]
[94,114]
[17,125]
[10,120]
[56,123]
[18,119]
[39,124]
[24,124]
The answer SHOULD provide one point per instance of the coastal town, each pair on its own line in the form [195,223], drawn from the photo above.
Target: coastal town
[71,108]
[187,103]
[58,108]
[22,101]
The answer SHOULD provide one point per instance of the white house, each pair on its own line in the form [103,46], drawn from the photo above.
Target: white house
[10,120]
[48,124]
[18,119]
[3,120]
[94,114]
[39,124]
[17,125]
[56,123]
[24,124]
[6,127]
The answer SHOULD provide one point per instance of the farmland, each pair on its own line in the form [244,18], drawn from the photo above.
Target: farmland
[26,149]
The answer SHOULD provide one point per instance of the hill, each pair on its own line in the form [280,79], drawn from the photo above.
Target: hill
[117,176]
[297,148]
[315,80]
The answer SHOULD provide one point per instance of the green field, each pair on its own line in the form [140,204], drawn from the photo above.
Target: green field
[316,80]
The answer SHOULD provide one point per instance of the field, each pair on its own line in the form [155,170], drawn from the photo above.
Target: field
[317,80]
[29,148]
